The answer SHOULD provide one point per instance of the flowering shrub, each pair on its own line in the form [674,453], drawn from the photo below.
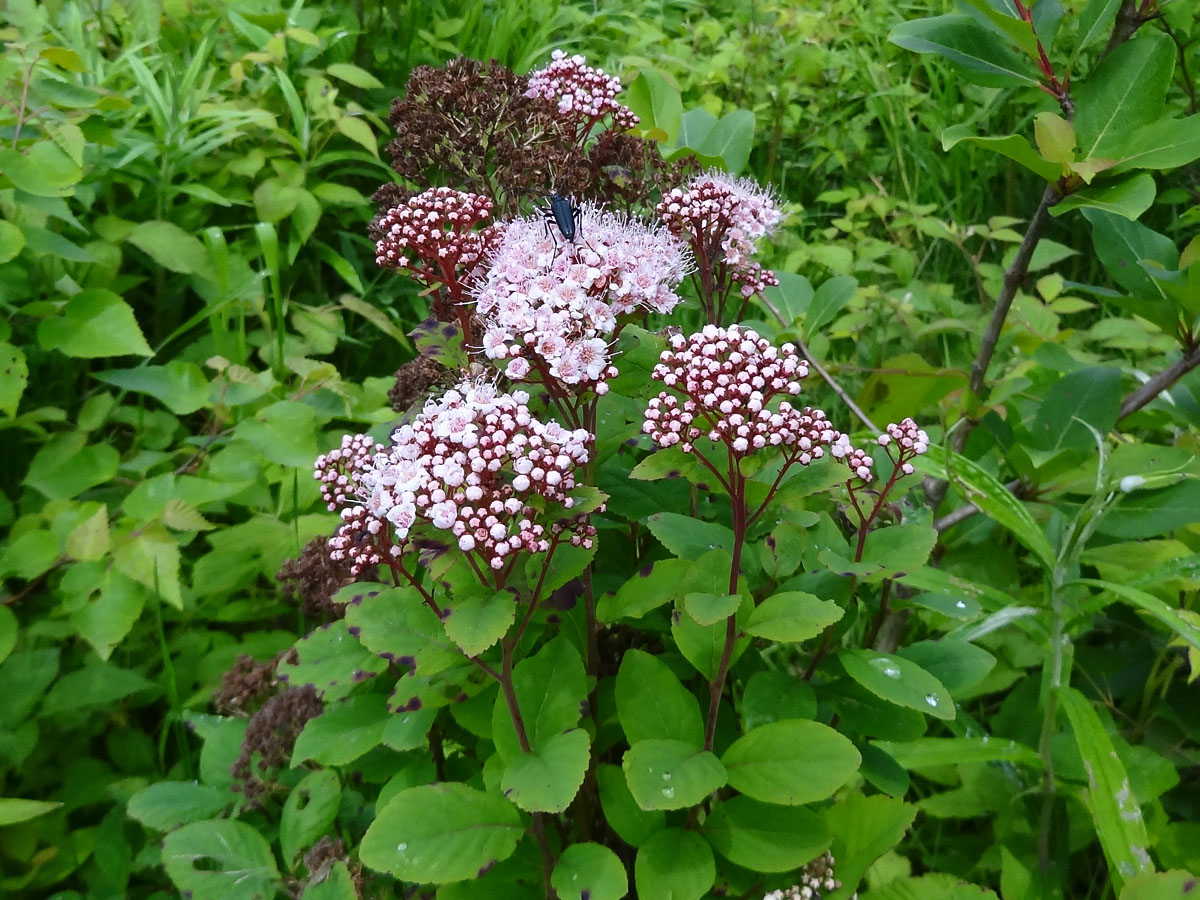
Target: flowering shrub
[617,613]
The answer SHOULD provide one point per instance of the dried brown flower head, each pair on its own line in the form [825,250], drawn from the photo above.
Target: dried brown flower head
[313,578]
[271,733]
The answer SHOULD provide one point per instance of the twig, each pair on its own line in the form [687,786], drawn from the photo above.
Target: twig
[1159,383]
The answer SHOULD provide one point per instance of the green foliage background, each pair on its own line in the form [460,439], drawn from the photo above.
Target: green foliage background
[191,312]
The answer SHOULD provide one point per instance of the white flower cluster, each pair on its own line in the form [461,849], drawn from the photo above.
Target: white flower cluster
[469,465]
[553,310]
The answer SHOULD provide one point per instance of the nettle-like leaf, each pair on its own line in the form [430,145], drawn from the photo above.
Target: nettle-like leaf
[221,858]
[332,661]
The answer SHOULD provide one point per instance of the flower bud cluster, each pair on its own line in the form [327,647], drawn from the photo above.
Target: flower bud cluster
[816,880]
[584,94]
[854,458]
[910,441]
[722,217]
[552,310]
[730,379]
[470,464]
[432,235]
[753,278]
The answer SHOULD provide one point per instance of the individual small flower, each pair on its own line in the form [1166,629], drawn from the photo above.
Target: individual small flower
[584,94]
[471,464]
[733,383]
[557,307]
[721,216]
[910,441]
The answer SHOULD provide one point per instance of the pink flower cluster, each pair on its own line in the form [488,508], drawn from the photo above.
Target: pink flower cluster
[470,464]
[433,235]
[552,310]
[722,217]
[857,460]
[910,441]
[584,94]
[730,378]
[754,279]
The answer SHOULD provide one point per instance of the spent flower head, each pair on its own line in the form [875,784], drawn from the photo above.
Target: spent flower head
[472,464]
[733,383]
[583,94]
[552,309]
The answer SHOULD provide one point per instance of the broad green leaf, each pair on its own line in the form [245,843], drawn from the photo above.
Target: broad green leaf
[331,661]
[438,833]
[1128,197]
[589,872]
[790,762]
[1174,885]
[708,609]
[548,779]
[898,681]
[396,625]
[30,555]
[14,377]
[1115,812]
[935,886]
[674,865]
[65,466]
[792,616]
[656,103]
[1086,397]
[687,537]
[671,774]
[1126,91]
[704,645]
[790,299]
[1164,144]
[933,752]
[632,824]
[764,837]
[1013,146]
[981,488]
[550,689]
[1145,514]
[478,620]
[830,299]
[308,813]
[14,810]
[1148,603]
[407,730]
[171,247]
[11,241]
[1015,29]
[152,558]
[771,696]
[1055,138]
[864,828]
[43,170]
[888,552]
[653,705]
[958,665]
[1121,245]
[221,858]
[94,323]
[965,42]
[89,540]
[729,139]
[180,386]
[110,614]
[650,588]
[344,732]
[166,805]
